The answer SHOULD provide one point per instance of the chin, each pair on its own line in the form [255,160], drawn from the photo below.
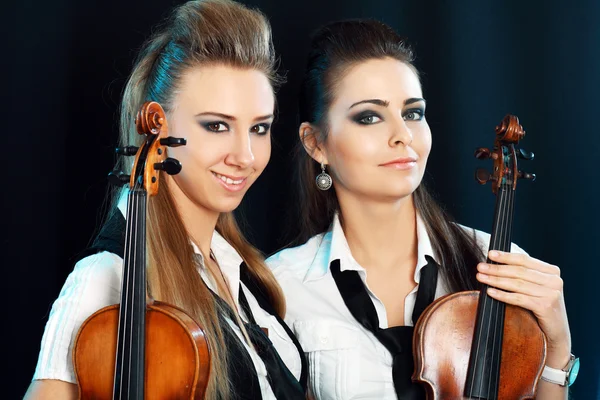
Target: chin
[394,194]
[226,205]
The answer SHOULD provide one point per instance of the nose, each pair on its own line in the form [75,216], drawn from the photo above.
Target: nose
[400,134]
[241,154]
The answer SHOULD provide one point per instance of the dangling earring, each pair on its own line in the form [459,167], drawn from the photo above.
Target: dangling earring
[324,180]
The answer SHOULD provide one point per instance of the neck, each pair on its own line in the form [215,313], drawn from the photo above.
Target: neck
[380,235]
[199,222]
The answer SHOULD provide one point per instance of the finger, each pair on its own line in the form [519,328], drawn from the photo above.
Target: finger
[515,299]
[549,311]
[524,260]
[514,285]
[522,273]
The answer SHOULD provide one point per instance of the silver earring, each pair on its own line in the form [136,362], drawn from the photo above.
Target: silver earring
[324,180]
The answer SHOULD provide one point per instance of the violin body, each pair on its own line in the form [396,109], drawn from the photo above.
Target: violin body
[445,335]
[176,354]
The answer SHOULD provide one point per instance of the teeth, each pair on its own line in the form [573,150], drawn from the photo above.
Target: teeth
[228,181]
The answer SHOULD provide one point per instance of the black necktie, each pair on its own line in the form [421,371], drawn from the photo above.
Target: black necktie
[283,383]
[398,340]
[259,294]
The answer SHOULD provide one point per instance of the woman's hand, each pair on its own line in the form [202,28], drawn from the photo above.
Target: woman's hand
[536,286]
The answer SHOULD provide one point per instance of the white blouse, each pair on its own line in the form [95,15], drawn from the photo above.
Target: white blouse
[95,283]
[346,361]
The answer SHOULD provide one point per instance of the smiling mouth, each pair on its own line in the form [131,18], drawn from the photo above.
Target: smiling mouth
[228,180]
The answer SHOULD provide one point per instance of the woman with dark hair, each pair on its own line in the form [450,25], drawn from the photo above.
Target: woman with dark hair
[377,249]
[212,68]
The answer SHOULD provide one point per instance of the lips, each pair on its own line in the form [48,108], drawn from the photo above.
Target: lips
[400,161]
[229,180]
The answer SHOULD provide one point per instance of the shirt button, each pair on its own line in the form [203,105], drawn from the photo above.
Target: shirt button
[324,339]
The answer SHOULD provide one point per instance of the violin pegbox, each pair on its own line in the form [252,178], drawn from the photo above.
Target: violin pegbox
[504,154]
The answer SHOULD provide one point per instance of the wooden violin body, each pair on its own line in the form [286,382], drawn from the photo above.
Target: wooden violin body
[445,335]
[142,349]
[468,345]
[176,354]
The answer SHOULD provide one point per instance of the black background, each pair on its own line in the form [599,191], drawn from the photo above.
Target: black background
[66,62]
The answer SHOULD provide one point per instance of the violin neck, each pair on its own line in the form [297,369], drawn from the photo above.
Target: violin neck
[484,365]
[130,361]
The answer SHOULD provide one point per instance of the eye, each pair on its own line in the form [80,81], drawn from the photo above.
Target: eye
[367,118]
[260,129]
[371,119]
[415,114]
[215,126]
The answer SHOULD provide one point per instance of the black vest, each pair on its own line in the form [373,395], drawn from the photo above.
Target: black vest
[243,376]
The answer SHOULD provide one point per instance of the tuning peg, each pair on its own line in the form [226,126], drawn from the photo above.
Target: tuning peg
[527,175]
[483,176]
[524,154]
[483,153]
[171,166]
[127,150]
[173,141]
[118,178]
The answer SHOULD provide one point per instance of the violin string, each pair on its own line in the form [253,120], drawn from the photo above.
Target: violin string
[134,276]
[504,237]
[132,300]
[498,233]
[494,303]
[501,241]
[125,286]
[483,312]
[140,282]
[507,239]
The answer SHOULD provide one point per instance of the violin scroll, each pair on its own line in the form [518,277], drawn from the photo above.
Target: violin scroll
[505,154]
[509,130]
[151,155]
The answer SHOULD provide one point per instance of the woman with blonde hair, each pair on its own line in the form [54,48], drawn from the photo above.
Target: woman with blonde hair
[212,68]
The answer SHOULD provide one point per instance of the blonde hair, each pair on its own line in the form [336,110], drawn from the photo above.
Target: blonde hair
[197,33]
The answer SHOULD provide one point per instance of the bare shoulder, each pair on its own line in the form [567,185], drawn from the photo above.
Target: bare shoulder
[43,389]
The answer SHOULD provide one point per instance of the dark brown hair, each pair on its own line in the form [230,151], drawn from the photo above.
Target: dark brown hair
[335,48]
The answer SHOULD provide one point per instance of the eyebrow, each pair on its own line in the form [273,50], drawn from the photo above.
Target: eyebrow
[385,103]
[231,117]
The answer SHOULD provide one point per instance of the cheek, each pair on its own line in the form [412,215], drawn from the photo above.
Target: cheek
[261,149]
[351,152]
[199,153]
[425,143]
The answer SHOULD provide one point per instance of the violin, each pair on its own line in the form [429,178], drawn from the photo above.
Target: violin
[141,348]
[468,345]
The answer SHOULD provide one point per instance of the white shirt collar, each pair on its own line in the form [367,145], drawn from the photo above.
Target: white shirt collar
[226,256]
[334,246]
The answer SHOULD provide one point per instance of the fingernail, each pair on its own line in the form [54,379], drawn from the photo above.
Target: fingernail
[484,267]
[494,253]
[491,291]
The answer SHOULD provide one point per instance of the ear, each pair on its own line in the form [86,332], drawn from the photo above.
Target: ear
[309,138]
